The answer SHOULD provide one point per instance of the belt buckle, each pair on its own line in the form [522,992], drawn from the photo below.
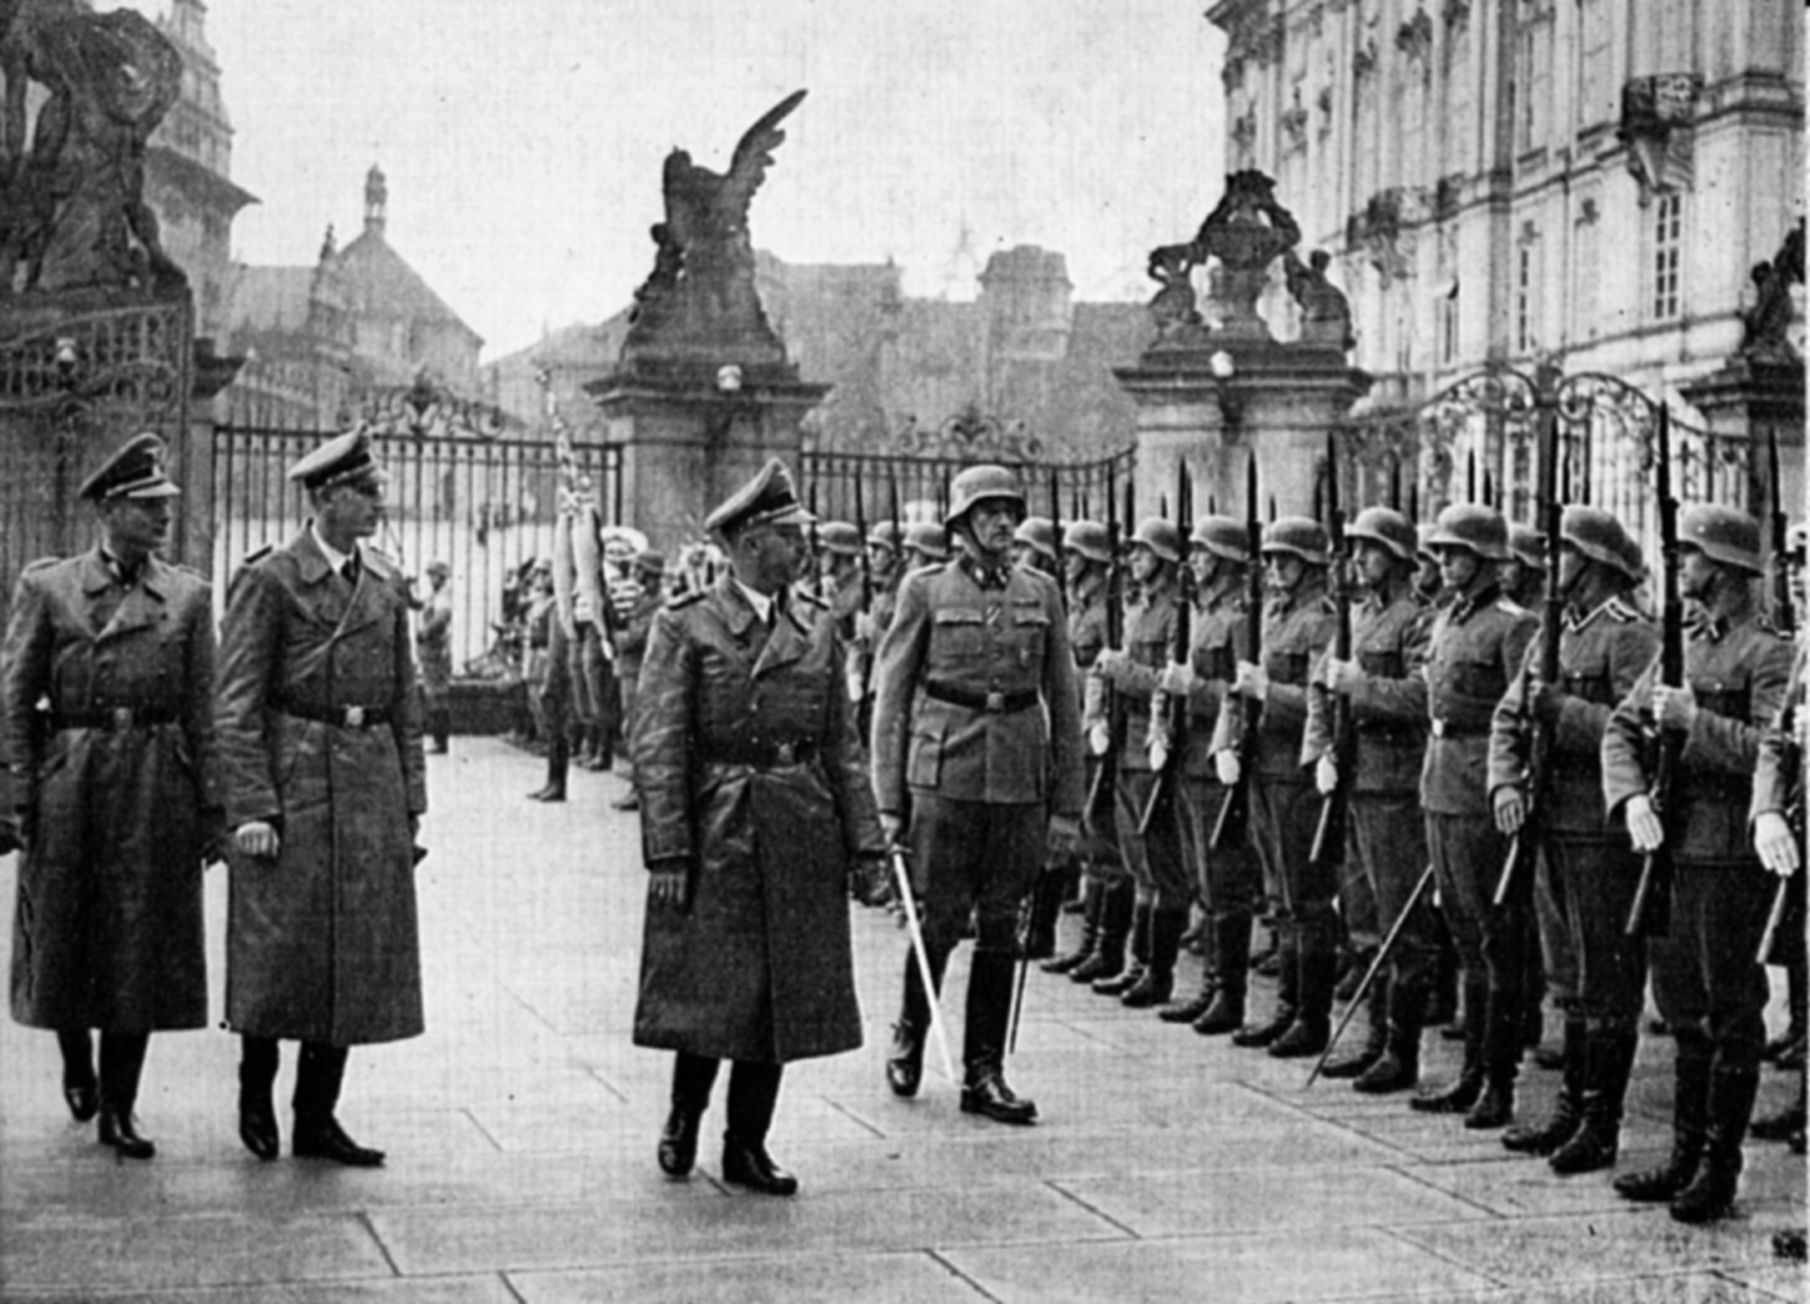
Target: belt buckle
[996,702]
[355,717]
[121,717]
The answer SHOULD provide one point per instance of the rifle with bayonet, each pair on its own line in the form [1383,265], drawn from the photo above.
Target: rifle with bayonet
[1169,717]
[1235,812]
[1650,915]
[1103,702]
[1525,845]
[865,649]
[1329,834]
[1784,612]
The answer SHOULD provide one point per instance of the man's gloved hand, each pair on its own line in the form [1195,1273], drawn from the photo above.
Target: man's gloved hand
[1326,776]
[1775,843]
[1253,681]
[669,883]
[1226,766]
[871,883]
[1511,809]
[1674,708]
[1644,826]
[257,839]
[1177,679]
[1099,738]
[892,828]
[1338,676]
[1111,665]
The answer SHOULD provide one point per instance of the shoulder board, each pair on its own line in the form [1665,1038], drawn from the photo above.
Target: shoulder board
[812,600]
[1618,610]
[1511,607]
[686,599]
[259,555]
[40,564]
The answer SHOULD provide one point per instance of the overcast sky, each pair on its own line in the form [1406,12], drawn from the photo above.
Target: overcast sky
[523,140]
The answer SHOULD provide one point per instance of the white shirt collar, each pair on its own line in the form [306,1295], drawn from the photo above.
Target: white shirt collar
[761,602]
[335,558]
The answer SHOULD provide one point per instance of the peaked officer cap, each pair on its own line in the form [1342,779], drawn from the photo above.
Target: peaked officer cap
[341,460]
[767,499]
[135,471]
[1723,534]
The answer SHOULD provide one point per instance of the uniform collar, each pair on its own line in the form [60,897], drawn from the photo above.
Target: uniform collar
[1470,604]
[986,575]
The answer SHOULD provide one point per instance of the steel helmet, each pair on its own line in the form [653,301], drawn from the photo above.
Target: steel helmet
[1222,536]
[1474,527]
[1160,537]
[1090,539]
[839,537]
[977,484]
[886,534]
[1723,534]
[1037,532]
[1600,536]
[928,538]
[1303,537]
[1387,528]
[1423,542]
[1528,546]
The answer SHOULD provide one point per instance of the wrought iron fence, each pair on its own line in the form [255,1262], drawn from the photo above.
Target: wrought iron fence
[486,507]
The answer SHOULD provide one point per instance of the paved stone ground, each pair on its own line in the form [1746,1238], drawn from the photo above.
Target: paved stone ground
[521,1133]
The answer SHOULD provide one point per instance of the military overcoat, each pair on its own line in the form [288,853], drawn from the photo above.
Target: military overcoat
[751,780]
[322,942]
[107,928]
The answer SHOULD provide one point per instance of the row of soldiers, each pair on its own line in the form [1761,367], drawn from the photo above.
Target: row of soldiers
[1445,708]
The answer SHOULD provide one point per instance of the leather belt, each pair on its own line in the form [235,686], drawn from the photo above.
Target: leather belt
[762,756]
[345,717]
[114,719]
[993,703]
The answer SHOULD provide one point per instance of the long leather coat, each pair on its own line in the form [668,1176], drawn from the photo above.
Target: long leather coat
[321,943]
[107,930]
[751,780]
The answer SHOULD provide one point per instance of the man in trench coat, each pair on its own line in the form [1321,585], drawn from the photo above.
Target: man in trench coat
[106,762]
[755,807]
[320,741]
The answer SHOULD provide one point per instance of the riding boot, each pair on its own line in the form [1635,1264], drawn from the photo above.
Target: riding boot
[989,1009]
[1090,933]
[1503,1032]
[319,1072]
[1399,1065]
[1376,1039]
[1609,1055]
[753,1092]
[1463,1093]
[559,757]
[1198,1004]
[81,1089]
[1127,978]
[1690,1122]
[1117,905]
[122,1061]
[1568,1108]
[1288,987]
[692,1078]
[905,1061]
[1232,944]
[1158,979]
[1318,962]
[1711,1193]
[258,1060]
[1045,905]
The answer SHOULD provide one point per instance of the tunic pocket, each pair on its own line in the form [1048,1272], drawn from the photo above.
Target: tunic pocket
[924,762]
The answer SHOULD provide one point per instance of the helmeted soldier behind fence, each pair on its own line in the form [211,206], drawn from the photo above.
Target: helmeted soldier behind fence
[1284,808]
[839,548]
[977,762]
[1711,990]
[320,747]
[1385,851]
[1478,642]
[926,544]
[1110,893]
[756,816]
[1156,854]
[433,652]
[108,785]
[1229,878]
[1034,545]
[1604,645]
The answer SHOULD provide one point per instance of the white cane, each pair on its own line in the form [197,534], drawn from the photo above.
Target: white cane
[902,872]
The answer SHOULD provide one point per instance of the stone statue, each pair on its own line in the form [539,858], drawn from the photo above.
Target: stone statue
[1244,233]
[701,293]
[1172,309]
[1325,311]
[72,210]
[1765,336]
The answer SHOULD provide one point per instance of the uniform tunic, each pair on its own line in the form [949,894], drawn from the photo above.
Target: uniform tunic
[1230,876]
[321,943]
[750,779]
[107,928]
[433,647]
[1099,846]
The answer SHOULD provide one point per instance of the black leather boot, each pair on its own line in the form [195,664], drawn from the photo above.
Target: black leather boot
[1711,1194]
[1398,1068]
[1567,1109]
[1318,961]
[1118,904]
[1127,978]
[1282,1018]
[905,1061]
[753,1093]
[81,1088]
[258,1060]
[1041,912]
[1090,933]
[1609,1057]
[320,1069]
[1690,1110]
[1158,980]
[1232,944]
[692,1078]
[559,756]
[1463,1093]
[984,1088]
[1376,1039]
[122,1061]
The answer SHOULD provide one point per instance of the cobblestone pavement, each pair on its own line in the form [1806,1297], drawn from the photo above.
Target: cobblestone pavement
[521,1134]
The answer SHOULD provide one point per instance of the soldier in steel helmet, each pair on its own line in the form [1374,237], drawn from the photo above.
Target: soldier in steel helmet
[1385,848]
[1156,856]
[1605,643]
[1524,573]
[1229,878]
[977,762]
[926,544]
[1106,913]
[1428,586]
[1711,990]
[839,547]
[1284,808]
[1034,545]
[1476,647]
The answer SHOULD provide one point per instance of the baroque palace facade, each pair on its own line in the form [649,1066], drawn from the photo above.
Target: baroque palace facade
[1507,181]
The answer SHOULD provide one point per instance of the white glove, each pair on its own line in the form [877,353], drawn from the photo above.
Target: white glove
[1773,840]
[1225,764]
[1326,776]
[1099,738]
[1177,679]
[1644,827]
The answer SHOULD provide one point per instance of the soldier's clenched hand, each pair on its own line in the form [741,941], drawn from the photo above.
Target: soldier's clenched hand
[257,838]
[1326,776]
[1511,809]
[1775,843]
[1253,681]
[1226,766]
[1674,708]
[1177,679]
[892,827]
[1644,827]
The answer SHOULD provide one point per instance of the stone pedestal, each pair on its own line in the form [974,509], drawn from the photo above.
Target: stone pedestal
[688,442]
[1745,400]
[1221,397]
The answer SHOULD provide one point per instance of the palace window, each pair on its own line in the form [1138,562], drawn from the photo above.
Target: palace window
[1668,252]
[1527,285]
